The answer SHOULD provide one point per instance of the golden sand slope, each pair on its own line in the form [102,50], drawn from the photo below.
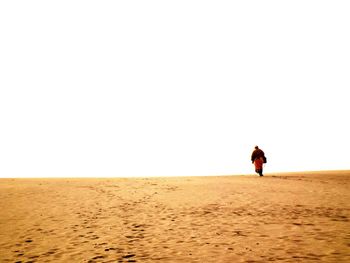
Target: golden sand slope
[284,218]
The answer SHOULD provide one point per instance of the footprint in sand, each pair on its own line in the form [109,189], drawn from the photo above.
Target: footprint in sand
[129,257]
[95,258]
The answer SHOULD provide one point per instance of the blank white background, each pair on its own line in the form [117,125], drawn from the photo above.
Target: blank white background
[150,88]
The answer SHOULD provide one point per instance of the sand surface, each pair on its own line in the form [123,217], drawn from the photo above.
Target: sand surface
[300,217]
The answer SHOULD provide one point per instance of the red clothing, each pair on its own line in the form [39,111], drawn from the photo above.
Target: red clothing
[258,163]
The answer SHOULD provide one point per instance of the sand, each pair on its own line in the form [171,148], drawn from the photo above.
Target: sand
[297,217]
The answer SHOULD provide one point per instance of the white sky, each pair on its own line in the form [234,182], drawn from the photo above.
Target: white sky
[149,88]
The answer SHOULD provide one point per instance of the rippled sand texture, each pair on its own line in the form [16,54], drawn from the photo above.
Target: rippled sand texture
[301,217]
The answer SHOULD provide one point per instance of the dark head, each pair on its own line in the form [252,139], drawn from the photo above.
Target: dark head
[256,147]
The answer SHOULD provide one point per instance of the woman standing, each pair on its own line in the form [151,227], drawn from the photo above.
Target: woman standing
[258,159]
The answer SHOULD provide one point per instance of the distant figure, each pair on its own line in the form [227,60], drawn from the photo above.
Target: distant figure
[258,159]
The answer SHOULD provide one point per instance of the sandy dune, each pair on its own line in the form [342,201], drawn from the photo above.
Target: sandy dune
[300,217]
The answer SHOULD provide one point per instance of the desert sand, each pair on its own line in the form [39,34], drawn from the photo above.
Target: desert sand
[296,217]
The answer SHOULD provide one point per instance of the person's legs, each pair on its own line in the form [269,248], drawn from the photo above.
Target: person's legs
[258,163]
[259,171]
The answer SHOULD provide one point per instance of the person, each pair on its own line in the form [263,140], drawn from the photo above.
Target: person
[258,159]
